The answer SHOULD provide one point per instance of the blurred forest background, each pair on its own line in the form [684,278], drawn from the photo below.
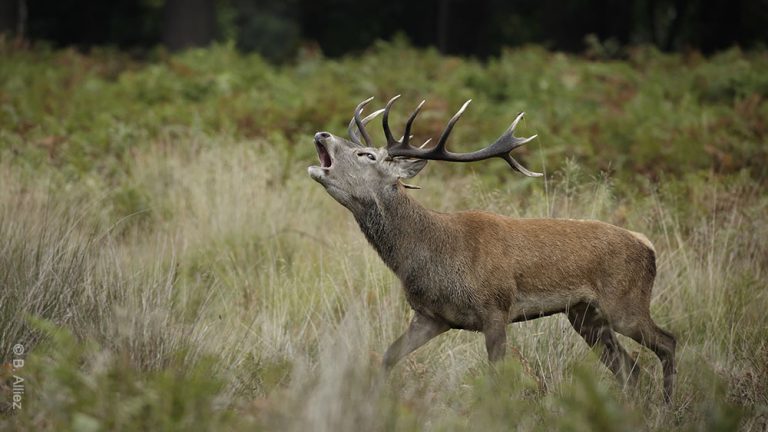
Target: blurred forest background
[166,263]
[278,28]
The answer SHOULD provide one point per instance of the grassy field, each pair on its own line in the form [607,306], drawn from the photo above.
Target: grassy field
[167,264]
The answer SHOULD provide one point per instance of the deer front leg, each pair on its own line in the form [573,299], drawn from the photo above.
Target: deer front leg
[495,331]
[421,331]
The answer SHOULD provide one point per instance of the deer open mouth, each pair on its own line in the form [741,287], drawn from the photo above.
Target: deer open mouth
[323,155]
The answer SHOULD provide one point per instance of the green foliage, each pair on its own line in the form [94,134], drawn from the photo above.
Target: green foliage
[81,386]
[504,398]
[651,114]
[590,405]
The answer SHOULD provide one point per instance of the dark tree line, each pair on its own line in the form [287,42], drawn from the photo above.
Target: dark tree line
[470,27]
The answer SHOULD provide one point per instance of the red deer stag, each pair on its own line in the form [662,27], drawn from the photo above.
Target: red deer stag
[481,271]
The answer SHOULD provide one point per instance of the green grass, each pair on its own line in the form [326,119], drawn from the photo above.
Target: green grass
[168,264]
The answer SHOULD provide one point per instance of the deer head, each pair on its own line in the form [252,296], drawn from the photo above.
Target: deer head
[352,170]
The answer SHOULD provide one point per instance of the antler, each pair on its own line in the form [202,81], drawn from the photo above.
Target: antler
[501,148]
[360,123]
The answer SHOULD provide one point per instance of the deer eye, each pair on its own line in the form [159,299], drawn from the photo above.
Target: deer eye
[368,155]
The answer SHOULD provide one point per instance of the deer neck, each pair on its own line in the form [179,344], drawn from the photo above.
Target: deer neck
[395,225]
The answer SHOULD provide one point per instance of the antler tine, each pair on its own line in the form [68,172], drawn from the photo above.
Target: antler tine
[360,125]
[352,126]
[517,143]
[385,122]
[515,122]
[501,148]
[407,135]
[511,133]
[440,147]
[518,167]
[351,130]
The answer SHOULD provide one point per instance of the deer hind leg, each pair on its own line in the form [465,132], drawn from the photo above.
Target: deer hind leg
[596,330]
[658,340]
[421,331]
[495,332]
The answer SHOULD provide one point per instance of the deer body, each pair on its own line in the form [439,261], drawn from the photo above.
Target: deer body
[480,271]
[463,267]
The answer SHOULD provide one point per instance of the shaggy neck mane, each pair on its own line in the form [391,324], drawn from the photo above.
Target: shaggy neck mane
[391,222]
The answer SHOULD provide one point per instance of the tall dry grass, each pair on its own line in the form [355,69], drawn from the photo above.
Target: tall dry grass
[218,286]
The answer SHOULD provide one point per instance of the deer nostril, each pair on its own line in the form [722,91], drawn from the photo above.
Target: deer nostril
[322,135]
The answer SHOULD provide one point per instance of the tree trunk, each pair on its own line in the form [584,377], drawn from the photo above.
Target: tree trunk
[8,16]
[443,23]
[188,23]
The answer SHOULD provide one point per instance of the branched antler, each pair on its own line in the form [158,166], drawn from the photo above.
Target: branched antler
[501,148]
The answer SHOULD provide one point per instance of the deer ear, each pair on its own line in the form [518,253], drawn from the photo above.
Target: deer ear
[408,168]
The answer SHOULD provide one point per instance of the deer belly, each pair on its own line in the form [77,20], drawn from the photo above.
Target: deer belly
[456,317]
[535,306]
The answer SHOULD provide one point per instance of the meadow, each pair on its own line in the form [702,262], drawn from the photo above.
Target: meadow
[166,263]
